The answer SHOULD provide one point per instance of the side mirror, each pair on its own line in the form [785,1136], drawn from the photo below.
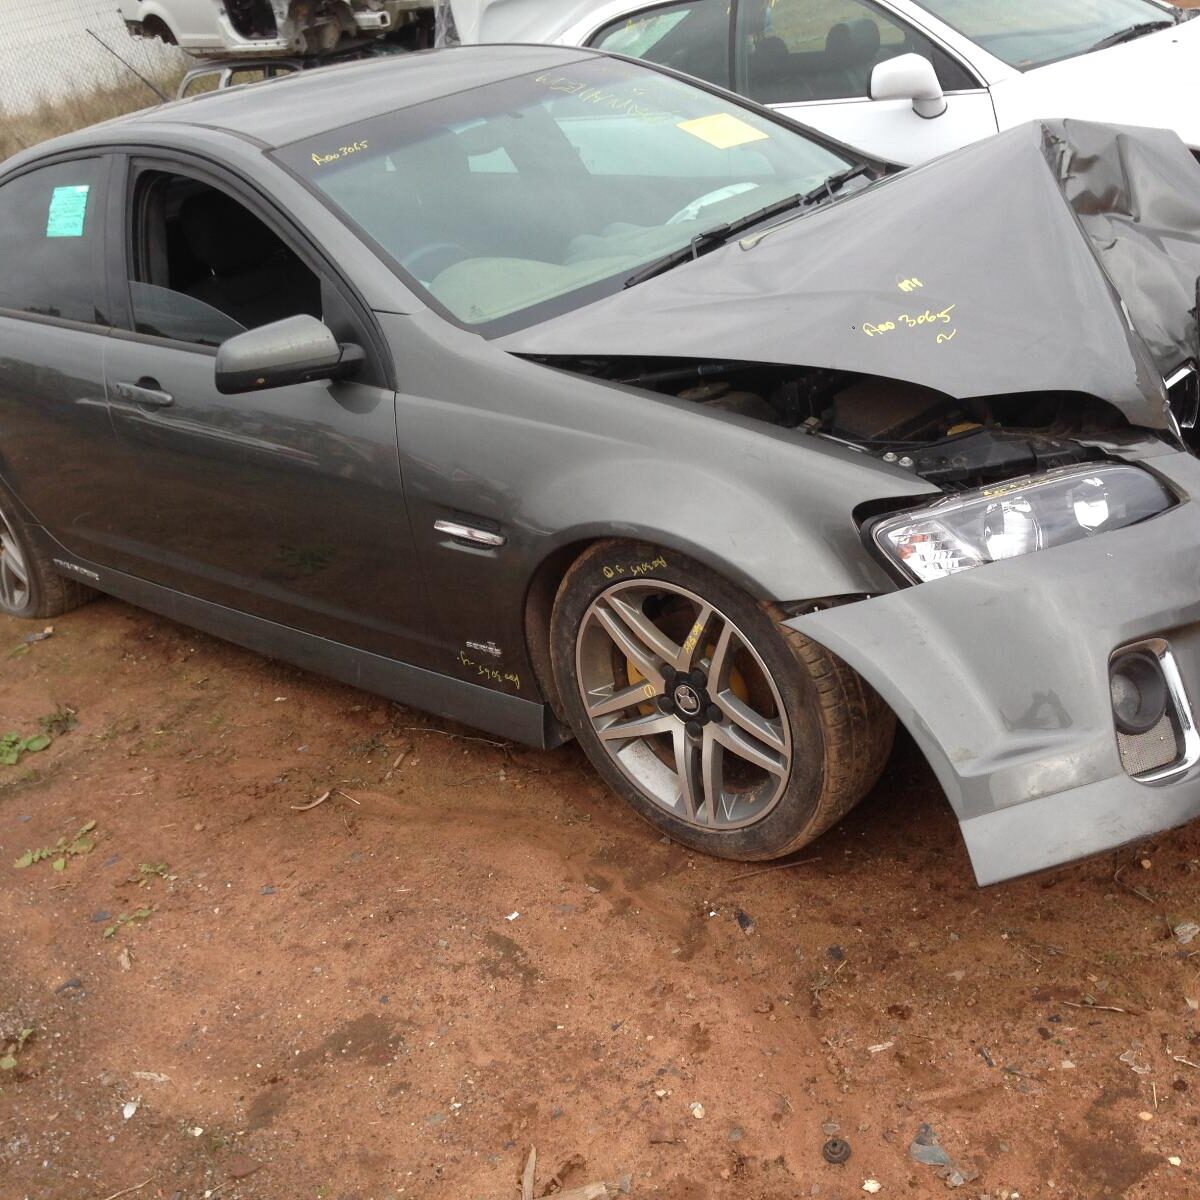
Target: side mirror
[297,349]
[909,77]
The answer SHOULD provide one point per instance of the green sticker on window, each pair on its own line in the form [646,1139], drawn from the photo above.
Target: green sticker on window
[68,210]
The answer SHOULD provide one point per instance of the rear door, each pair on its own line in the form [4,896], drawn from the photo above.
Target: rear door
[285,503]
[57,453]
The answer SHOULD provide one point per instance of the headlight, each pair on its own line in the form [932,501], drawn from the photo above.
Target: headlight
[1018,517]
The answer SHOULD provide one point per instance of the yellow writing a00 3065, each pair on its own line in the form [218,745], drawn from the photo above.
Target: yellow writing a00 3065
[940,320]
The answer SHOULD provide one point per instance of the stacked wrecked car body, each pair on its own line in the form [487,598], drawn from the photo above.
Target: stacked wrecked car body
[264,27]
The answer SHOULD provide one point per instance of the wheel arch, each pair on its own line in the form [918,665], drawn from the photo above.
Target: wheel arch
[718,554]
[155,22]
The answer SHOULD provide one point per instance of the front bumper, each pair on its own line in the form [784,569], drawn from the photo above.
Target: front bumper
[1000,674]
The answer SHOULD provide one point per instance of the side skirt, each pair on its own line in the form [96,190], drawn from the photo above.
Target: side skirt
[493,712]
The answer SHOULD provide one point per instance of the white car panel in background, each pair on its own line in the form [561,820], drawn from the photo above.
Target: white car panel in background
[821,61]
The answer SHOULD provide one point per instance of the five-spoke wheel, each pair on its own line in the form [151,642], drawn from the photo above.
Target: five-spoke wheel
[683,704]
[718,724]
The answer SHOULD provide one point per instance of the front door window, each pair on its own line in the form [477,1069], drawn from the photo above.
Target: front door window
[790,51]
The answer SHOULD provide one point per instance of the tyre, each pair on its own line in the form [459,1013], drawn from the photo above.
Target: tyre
[29,585]
[732,734]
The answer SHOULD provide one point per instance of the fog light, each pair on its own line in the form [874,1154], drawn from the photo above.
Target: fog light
[1138,690]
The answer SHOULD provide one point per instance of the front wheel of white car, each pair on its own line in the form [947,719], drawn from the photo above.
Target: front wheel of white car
[734,735]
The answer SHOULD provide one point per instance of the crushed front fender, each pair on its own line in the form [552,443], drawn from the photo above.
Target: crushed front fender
[1000,674]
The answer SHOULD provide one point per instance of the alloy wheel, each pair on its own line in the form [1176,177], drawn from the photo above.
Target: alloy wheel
[14,571]
[683,704]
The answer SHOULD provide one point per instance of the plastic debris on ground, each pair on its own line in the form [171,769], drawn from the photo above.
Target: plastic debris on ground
[926,1149]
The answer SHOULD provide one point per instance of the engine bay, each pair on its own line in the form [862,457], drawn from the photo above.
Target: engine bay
[957,444]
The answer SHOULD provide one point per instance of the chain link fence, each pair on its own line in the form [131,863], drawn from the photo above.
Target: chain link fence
[49,51]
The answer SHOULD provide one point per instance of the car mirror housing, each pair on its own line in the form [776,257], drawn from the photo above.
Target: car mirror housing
[298,349]
[909,77]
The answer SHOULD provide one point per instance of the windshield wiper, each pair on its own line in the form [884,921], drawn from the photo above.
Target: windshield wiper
[1134,31]
[710,239]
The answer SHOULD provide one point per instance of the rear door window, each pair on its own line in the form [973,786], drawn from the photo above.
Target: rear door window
[51,234]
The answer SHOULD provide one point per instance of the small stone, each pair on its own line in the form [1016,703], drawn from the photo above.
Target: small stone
[100,916]
[836,953]
[435,1119]
[242,1167]
[697,1110]
[1146,864]
[830,1128]
[266,890]
[198,827]
[1175,1160]
[736,1133]
[871,1186]
[1145,1116]
[69,985]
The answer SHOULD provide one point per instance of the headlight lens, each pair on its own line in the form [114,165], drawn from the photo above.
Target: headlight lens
[1018,517]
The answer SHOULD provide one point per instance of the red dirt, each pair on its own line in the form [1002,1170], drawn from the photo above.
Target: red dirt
[340,1004]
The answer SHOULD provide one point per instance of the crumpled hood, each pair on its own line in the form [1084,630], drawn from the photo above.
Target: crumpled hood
[1058,256]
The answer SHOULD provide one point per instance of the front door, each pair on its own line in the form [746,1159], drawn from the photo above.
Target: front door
[285,503]
[812,59]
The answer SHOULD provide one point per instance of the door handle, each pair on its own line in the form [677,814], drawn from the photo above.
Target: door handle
[145,393]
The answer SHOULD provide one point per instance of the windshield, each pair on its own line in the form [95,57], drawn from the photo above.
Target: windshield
[1031,33]
[520,199]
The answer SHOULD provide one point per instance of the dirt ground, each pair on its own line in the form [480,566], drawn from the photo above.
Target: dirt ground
[397,995]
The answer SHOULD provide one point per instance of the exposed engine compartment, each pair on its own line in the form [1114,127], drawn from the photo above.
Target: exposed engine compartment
[956,444]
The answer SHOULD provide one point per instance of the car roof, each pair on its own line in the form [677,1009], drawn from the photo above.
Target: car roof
[277,112]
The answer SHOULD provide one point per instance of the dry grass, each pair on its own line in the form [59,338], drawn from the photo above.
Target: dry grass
[21,130]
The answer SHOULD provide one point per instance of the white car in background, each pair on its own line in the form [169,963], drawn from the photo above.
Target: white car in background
[899,79]
[261,27]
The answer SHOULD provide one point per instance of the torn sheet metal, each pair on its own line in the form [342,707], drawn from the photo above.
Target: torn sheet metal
[1059,256]
[1001,676]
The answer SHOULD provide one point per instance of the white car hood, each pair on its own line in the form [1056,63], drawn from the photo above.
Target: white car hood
[1154,81]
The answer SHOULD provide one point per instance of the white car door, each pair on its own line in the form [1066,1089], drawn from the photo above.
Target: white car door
[195,24]
[813,59]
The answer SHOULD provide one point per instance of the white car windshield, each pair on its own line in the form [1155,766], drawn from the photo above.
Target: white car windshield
[1032,33]
[523,198]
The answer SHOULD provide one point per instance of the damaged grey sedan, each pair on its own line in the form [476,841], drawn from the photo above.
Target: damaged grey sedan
[565,396]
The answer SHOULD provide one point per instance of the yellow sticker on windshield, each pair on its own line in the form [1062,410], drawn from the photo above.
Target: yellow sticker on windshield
[723,130]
